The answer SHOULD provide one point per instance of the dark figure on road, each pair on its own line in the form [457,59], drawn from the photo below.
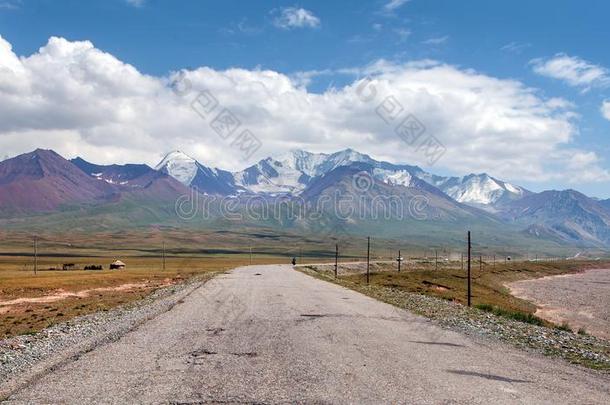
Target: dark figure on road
[294,261]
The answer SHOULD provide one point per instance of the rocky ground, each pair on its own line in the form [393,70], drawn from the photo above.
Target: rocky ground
[581,300]
[24,357]
[585,350]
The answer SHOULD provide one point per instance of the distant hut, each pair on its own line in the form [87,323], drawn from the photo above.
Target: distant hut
[117,265]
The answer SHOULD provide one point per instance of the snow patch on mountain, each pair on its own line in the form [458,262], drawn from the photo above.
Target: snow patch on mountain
[395,178]
[180,166]
[292,171]
[476,189]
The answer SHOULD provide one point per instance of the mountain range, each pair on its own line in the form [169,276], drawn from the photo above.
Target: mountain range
[43,182]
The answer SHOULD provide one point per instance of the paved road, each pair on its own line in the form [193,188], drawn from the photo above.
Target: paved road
[269,334]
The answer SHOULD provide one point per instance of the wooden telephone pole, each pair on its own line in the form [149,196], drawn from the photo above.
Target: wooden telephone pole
[368,258]
[336,259]
[469,247]
[35,254]
[163,255]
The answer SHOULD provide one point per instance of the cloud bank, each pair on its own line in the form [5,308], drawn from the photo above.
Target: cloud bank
[81,101]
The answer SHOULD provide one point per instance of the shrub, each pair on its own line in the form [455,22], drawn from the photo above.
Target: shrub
[514,315]
[485,307]
[564,326]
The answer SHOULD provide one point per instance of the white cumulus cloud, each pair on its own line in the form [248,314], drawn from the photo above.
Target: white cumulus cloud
[573,70]
[295,17]
[79,100]
[606,109]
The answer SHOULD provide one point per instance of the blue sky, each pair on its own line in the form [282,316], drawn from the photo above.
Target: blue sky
[506,40]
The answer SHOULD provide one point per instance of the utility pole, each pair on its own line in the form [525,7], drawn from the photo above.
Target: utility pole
[435,259]
[469,247]
[462,261]
[480,263]
[163,255]
[399,260]
[250,255]
[494,261]
[368,258]
[35,255]
[336,259]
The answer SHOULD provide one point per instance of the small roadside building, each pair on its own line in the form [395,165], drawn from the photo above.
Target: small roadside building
[117,265]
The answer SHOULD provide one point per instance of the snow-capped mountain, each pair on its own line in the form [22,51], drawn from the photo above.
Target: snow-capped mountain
[43,181]
[180,166]
[191,173]
[477,189]
[292,172]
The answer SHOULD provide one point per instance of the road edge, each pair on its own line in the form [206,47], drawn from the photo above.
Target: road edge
[151,308]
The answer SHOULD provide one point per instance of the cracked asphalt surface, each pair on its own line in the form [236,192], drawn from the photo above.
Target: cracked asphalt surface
[269,334]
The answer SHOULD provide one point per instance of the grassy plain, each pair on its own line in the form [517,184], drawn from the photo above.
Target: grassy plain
[30,302]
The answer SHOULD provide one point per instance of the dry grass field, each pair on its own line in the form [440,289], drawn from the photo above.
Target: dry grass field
[30,302]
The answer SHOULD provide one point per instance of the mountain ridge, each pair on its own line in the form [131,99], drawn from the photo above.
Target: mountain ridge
[43,181]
